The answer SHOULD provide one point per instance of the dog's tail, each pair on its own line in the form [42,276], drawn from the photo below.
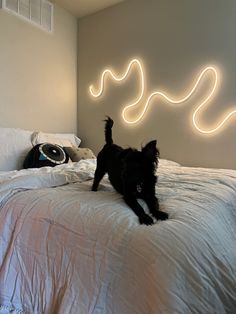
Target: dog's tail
[108,132]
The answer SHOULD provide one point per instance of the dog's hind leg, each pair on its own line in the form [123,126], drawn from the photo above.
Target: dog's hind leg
[137,208]
[99,173]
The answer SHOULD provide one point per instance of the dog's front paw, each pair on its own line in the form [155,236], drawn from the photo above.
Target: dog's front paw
[146,220]
[160,215]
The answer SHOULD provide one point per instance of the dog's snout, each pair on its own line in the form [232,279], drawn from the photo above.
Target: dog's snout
[139,187]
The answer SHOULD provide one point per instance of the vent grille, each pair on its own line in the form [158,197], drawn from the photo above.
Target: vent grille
[37,12]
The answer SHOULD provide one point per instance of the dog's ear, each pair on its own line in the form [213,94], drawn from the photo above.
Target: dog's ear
[150,151]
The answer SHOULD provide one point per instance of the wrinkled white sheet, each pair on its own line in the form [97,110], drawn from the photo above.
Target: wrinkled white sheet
[15,181]
[65,249]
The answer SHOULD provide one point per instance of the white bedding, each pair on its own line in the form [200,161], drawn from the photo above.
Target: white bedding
[67,250]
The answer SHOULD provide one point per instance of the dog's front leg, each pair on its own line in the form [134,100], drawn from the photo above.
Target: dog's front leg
[137,208]
[153,205]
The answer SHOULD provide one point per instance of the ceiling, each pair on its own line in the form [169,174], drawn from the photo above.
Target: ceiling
[80,8]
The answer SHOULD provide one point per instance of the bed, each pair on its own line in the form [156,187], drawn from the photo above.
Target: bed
[65,249]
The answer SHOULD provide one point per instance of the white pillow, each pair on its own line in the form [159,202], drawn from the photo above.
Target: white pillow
[62,139]
[14,146]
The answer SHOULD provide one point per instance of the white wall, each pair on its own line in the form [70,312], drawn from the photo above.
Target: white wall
[38,74]
[175,39]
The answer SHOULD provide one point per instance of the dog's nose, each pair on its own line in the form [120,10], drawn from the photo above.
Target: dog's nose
[139,188]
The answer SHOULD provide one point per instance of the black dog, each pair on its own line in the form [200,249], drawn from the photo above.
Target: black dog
[132,173]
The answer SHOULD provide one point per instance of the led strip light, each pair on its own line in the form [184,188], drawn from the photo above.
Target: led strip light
[138,64]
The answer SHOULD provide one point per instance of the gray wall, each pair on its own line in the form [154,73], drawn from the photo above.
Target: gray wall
[38,74]
[175,39]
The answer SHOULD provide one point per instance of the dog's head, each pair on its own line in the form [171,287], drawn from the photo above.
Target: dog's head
[139,168]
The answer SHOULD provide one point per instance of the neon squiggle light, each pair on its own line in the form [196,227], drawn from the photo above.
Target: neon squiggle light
[138,64]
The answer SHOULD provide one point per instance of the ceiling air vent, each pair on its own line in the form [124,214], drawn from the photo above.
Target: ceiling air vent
[37,12]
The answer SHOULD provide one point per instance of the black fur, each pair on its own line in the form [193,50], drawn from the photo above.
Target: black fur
[132,173]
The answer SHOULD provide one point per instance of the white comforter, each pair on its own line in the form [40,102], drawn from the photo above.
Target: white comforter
[67,250]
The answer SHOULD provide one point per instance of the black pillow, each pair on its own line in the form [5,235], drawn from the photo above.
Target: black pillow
[45,154]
